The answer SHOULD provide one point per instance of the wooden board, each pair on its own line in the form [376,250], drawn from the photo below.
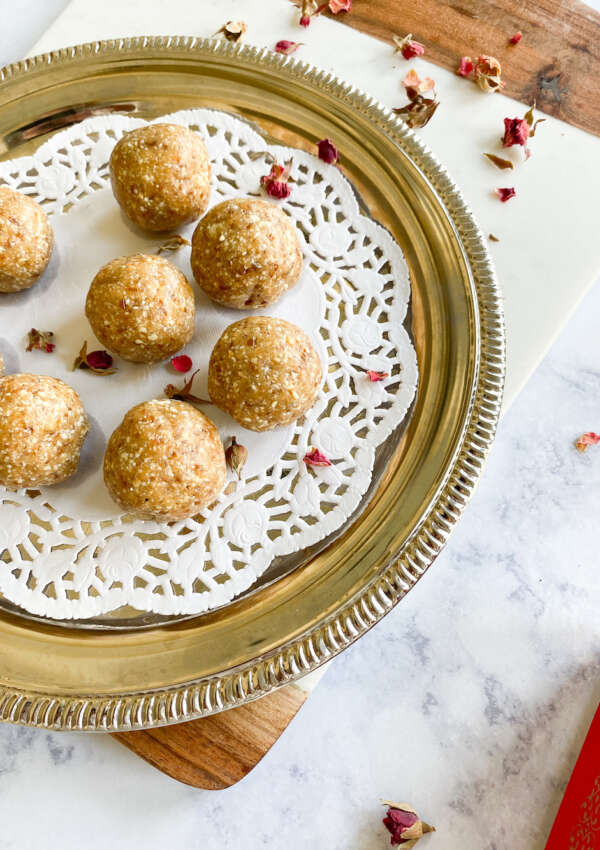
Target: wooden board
[216,752]
[556,63]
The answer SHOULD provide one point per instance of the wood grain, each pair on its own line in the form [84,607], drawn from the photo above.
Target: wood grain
[216,752]
[556,64]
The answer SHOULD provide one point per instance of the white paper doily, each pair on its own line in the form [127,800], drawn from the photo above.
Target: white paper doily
[66,551]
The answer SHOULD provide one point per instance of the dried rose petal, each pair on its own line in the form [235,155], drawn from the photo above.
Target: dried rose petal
[506,194]
[40,340]
[276,181]
[182,363]
[316,458]
[173,243]
[516,132]
[233,30]
[586,440]
[419,111]
[487,74]
[236,457]
[310,8]
[493,238]
[465,66]
[99,360]
[328,151]
[336,6]
[516,38]
[404,824]
[377,376]
[414,85]
[287,47]
[498,161]
[407,46]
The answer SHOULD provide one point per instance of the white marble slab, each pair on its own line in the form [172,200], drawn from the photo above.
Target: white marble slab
[471,699]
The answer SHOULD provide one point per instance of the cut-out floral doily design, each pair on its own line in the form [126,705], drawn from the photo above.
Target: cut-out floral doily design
[66,550]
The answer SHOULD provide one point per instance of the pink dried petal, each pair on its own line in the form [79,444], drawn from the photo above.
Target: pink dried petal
[275,182]
[586,440]
[408,47]
[465,67]
[182,363]
[506,194]
[516,132]
[376,376]
[316,458]
[304,20]
[516,38]
[99,360]
[336,6]
[414,85]
[328,151]
[287,47]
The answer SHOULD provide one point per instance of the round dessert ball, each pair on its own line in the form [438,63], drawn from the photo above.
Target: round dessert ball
[246,253]
[264,372]
[160,176]
[141,307]
[26,240]
[42,429]
[165,461]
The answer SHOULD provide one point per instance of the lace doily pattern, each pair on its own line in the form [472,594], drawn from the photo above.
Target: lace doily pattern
[60,564]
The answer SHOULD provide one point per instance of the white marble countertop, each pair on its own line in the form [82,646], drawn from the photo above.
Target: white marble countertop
[470,700]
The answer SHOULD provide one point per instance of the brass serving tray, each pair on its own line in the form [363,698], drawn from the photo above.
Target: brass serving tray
[71,677]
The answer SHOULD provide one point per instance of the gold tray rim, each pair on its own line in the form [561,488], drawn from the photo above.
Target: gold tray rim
[327,636]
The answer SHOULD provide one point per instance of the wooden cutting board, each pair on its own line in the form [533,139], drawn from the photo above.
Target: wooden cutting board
[557,64]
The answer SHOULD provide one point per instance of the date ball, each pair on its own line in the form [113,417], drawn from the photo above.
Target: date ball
[141,307]
[246,253]
[42,429]
[165,461]
[264,372]
[160,176]
[26,241]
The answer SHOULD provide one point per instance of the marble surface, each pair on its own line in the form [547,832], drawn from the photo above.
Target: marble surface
[470,700]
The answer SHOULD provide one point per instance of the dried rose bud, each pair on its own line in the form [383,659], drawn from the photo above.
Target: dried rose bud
[184,393]
[586,440]
[466,66]
[328,151]
[233,30]
[173,243]
[99,362]
[276,181]
[181,363]
[487,74]
[414,85]
[309,8]
[376,376]
[516,132]
[236,457]
[316,458]
[336,6]
[498,161]
[404,825]
[407,46]
[41,340]
[287,47]
[419,111]
[516,38]
[506,194]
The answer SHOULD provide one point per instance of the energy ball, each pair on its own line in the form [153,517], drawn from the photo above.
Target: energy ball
[141,307]
[165,461]
[42,429]
[26,240]
[246,253]
[264,372]
[160,176]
